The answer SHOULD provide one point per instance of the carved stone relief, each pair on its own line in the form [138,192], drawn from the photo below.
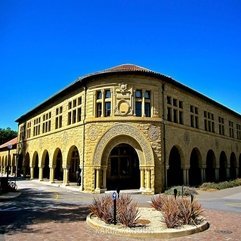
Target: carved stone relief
[153,133]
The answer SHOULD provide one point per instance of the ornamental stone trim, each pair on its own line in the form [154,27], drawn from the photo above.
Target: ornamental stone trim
[153,133]
[130,132]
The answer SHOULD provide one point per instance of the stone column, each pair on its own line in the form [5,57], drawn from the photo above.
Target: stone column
[148,180]
[142,177]
[203,174]
[216,174]
[51,174]
[11,172]
[66,176]
[40,174]
[97,180]
[31,172]
[185,176]
[104,177]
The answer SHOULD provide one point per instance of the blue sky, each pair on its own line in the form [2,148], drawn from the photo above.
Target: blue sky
[45,45]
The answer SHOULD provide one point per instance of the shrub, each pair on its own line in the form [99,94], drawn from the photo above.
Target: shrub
[179,211]
[102,208]
[187,191]
[127,211]
[189,212]
[221,185]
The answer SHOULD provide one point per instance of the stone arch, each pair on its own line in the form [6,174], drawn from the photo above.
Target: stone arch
[174,171]
[35,165]
[195,165]
[58,164]
[233,166]
[223,165]
[210,166]
[73,163]
[132,133]
[45,164]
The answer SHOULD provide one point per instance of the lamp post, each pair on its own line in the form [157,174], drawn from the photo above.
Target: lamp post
[9,149]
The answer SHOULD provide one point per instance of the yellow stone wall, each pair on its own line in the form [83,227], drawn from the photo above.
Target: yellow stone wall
[88,134]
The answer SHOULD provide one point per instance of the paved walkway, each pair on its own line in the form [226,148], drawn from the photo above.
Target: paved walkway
[223,225]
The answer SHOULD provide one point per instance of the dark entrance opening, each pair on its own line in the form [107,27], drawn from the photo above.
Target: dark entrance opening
[174,173]
[233,164]
[123,168]
[58,172]
[223,167]
[210,167]
[194,171]
[74,165]
[36,168]
[46,167]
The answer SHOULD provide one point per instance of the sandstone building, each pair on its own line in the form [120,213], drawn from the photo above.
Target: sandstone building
[131,128]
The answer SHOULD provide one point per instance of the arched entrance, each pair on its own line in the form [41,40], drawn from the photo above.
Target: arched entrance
[194,171]
[233,165]
[123,168]
[74,164]
[46,166]
[210,166]
[58,171]
[36,166]
[223,167]
[174,173]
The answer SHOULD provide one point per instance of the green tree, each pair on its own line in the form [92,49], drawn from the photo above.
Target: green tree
[7,134]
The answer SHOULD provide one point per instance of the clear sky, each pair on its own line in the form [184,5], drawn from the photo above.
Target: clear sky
[46,44]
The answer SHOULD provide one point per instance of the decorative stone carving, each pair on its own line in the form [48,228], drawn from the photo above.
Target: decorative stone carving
[123,100]
[153,133]
[93,132]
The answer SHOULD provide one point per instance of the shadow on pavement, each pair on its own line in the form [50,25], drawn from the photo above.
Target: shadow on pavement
[34,207]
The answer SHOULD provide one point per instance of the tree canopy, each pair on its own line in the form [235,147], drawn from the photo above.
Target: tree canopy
[7,134]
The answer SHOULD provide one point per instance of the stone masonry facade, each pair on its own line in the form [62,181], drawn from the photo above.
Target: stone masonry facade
[130,127]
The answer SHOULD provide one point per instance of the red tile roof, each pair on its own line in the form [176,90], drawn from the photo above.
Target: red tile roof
[11,142]
[127,67]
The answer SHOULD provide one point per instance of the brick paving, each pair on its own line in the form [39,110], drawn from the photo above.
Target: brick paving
[67,223]
[223,226]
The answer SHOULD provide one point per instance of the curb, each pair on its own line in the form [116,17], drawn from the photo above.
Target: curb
[91,220]
[11,195]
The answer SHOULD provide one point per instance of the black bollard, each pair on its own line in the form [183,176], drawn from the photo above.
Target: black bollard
[114,196]
[175,193]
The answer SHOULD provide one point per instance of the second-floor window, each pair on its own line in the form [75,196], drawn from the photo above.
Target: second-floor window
[194,117]
[36,126]
[103,103]
[238,131]
[231,129]
[221,126]
[74,111]
[59,117]
[143,103]
[28,131]
[209,121]
[46,122]
[174,110]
